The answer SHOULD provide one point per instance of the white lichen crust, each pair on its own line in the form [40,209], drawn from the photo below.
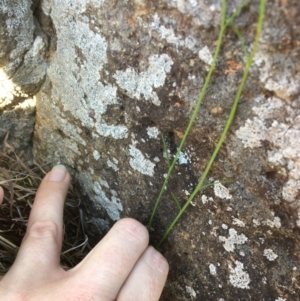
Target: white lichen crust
[69,66]
[232,240]
[212,269]
[190,291]
[141,85]
[238,277]
[139,162]
[221,191]
[238,222]
[205,55]
[152,132]
[269,253]
[284,154]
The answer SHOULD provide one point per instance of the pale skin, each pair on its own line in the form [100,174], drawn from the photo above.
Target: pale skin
[122,267]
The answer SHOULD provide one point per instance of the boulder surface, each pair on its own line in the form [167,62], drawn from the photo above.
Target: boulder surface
[111,78]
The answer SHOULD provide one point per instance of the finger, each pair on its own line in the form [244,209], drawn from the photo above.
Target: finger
[112,260]
[39,253]
[147,279]
[1,195]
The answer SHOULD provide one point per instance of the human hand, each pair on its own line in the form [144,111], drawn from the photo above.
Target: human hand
[122,267]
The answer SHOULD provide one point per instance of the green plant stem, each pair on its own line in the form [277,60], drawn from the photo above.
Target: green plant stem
[176,200]
[229,120]
[166,151]
[197,107]
[236,12]
[238,34]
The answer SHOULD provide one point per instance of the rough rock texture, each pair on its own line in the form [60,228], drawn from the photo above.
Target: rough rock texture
[121,74]
[22,70]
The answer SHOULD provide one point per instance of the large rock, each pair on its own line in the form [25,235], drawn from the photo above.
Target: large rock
[121,74]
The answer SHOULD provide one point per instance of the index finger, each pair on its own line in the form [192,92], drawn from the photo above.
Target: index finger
[41,246]
[50,197]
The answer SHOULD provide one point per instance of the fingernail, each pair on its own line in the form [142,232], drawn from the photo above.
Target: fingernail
[57,174]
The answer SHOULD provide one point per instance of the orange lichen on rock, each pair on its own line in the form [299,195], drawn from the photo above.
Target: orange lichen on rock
[232,66]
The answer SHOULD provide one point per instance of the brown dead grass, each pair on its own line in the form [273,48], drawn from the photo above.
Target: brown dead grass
[20,182]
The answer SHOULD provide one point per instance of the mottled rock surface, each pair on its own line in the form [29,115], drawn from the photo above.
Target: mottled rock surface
[22,70]
[122,73]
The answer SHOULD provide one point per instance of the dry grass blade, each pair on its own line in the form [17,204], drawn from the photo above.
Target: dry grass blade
[10,187]
[9,246]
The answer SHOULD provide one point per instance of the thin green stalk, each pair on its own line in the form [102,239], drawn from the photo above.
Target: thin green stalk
[176,200]
[169,164]
[197,107]
[236,12]
[229,120]
[241,40]
[166,151]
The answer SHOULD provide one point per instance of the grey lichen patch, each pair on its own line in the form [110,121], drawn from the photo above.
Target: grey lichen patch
[116,131]
[113,206]
[206,199]
[282,79]
[238,277]
[205,55]
[141,85]
[232,240]
[270,254]
[190,291]
[139,162]
[96,155]
[212,269]
[152,132]
[204,13]
[103,183]
[168,34]
[183,158]
[88,52]
[275,223]
[238,222]
[284,154]
[112,165]
[221,191]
